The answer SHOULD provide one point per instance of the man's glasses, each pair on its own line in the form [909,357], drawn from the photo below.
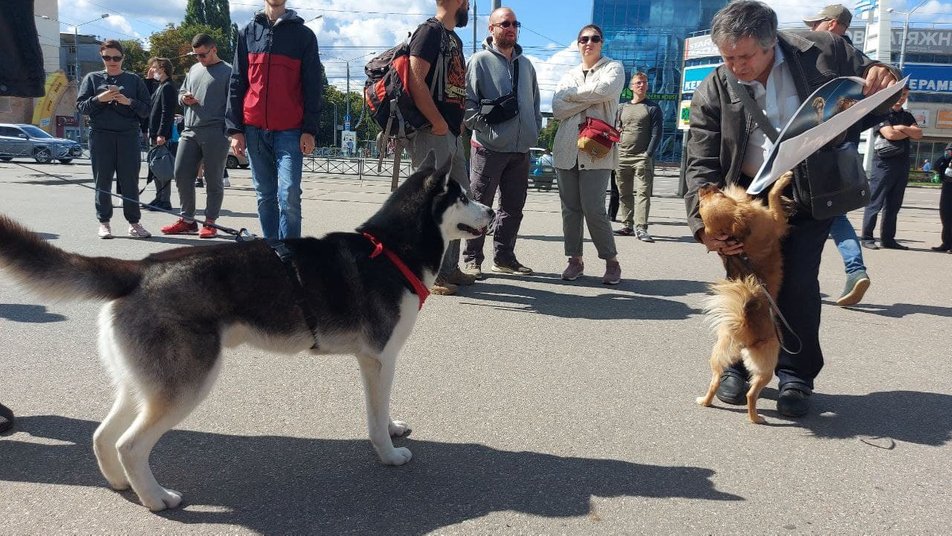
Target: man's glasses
[202,55]
[508,24]
[585,39]
[112,58]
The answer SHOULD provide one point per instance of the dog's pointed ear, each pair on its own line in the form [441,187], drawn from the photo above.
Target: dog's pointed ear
[443,175]
[706,190]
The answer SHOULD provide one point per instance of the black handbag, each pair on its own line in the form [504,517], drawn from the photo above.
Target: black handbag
[830,182]
[502,108]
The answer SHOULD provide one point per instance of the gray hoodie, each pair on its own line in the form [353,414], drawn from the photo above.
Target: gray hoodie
[489,76]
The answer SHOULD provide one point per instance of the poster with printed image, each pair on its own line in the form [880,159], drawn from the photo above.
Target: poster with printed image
[824,115]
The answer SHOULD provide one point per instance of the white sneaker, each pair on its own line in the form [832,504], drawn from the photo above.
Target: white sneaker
[225,182]
[104,231]
[136,230]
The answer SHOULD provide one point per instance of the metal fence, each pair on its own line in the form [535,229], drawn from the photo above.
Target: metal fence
[362,167]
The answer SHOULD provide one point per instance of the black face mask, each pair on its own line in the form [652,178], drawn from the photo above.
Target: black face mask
[462,18]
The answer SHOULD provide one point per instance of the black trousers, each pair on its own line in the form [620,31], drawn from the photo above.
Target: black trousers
[799,301]
[613,200]
[887,188]
[945,213]
[116,154]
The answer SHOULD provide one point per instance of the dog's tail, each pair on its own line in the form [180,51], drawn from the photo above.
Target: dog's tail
[56,274]
[741,307]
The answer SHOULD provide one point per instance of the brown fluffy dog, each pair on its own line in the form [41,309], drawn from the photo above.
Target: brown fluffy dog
[739,310]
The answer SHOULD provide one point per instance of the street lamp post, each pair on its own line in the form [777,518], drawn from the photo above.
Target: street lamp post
[905,32]
[76,73]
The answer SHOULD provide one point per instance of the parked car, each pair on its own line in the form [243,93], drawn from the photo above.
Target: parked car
[234,162]
[30,141]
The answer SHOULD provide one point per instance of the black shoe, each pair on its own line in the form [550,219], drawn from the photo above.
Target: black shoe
[6,418]
[732,390]
[869,244]
[793,402]
[942,248]
[894,245]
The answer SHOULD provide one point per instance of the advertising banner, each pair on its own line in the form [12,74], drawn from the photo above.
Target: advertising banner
[56,84]
[693,77]
[929,78]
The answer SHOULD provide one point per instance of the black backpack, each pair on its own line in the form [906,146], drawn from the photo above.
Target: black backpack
[387,90]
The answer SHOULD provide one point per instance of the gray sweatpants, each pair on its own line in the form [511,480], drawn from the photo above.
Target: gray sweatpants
[583,198]
[446,147]
[208,145]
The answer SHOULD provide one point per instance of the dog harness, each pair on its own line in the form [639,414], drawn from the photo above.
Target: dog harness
[418,287]
[287,258]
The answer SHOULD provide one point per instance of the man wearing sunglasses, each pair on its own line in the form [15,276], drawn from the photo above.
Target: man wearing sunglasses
[502,110]
[204,95]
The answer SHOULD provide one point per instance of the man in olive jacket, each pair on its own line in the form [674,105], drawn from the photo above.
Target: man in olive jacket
[726,146]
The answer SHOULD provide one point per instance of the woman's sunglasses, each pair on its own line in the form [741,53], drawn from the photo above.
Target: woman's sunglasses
[585,39]
[112,58]
[507,24]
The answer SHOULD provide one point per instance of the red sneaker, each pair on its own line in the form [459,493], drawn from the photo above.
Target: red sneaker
[181,227]
[208,231]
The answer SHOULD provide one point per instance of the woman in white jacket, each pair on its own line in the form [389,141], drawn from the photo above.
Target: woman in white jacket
[591,89]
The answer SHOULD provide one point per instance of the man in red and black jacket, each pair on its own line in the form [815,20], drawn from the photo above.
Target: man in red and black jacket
[273,108]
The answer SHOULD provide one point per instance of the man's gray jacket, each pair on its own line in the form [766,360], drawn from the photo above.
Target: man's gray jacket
[489,76]
[721,127]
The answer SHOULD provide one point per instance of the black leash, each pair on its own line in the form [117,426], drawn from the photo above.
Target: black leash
[774,308]
[241,235]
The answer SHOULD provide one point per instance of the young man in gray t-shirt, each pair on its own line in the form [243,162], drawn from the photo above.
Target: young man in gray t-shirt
[204,95]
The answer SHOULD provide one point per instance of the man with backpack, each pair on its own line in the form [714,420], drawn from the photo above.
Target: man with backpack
[438,88]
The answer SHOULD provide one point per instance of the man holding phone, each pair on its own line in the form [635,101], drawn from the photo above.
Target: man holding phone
[204,95]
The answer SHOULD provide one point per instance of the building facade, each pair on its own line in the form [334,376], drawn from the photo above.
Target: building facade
[649,36]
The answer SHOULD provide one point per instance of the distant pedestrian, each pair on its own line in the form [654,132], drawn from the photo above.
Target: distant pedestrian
[115,101]
[161,123]
[204,95]
[274,108]
[502,135]
[926,165]
[641,124]
[943,167]
[890,175]
[588,90]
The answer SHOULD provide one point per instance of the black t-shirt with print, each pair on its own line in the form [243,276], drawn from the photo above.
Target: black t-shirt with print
[450,98]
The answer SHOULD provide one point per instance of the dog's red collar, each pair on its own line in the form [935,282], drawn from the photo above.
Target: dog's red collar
[418,287]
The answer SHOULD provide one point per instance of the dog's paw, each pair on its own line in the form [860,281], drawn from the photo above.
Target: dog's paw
[758,420]
[703,401]
[165,498]
[399,429]
[397,456]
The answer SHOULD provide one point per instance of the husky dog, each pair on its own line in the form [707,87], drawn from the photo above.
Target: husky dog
[168,316]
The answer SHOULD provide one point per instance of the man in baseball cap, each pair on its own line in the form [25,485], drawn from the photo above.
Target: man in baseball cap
[834,18]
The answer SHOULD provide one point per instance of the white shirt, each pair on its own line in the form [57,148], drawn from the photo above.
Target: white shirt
[779,101]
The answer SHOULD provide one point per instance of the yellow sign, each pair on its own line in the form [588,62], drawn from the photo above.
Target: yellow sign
[945,119]
[56,84]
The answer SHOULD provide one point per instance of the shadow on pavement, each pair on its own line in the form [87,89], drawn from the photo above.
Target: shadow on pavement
[910,416]
[30,314]
[632,299]
[278,485]
[898,310]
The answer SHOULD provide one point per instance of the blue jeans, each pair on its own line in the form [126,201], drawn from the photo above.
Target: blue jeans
[276,160]
[844,236]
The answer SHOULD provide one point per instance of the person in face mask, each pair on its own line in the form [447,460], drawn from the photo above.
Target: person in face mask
[436,51]
[161,116]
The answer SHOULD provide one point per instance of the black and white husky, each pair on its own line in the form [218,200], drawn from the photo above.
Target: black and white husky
[169,315]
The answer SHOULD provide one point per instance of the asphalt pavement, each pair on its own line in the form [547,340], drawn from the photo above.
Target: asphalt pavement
[538,406]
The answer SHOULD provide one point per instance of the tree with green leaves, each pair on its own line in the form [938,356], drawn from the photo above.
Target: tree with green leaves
[136,58]
[175,42]
[214,14]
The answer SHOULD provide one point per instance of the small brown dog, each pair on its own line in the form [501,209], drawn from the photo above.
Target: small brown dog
[739,310]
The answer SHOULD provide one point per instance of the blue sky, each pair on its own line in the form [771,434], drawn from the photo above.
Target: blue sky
[356,29]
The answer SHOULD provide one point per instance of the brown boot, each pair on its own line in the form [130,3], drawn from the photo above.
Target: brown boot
[441,287]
